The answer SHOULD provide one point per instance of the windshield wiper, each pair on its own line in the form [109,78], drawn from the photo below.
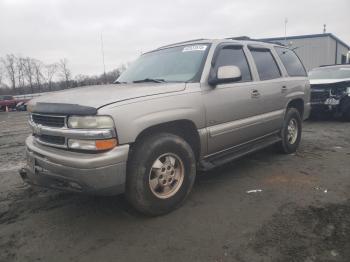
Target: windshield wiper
[117,82]
[153,80]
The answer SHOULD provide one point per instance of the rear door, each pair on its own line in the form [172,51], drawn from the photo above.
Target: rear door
[272,89]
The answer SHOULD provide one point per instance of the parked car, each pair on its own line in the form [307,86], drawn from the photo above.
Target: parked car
[9,102]
[330,90]
[179,108]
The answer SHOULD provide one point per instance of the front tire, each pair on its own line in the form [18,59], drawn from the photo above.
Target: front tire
[345,109]
[161,173]
[291,131]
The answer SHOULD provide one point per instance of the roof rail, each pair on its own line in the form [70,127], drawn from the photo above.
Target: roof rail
[335,65]
[239,38]
[247,38]
[327,65]
[183,42]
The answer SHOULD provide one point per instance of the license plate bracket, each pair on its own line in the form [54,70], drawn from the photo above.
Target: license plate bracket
[332,102]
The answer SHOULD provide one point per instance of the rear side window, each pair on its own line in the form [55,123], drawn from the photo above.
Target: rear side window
[234,55]
[265,64]
[291,62]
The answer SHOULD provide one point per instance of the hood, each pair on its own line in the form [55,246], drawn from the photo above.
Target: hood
[101,95]
[328,81]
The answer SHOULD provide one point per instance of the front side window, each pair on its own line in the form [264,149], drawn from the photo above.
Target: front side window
[265,64]
[175,64]
[291,62]
[234,55]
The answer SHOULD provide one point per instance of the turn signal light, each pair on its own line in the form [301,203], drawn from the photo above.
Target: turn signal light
[105,144]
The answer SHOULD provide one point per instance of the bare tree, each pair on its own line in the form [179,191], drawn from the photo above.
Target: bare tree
[28,75]
[50,71]
[20,66]
[9,63]
[38,75]
[64,71]
[1,74]
[29,72]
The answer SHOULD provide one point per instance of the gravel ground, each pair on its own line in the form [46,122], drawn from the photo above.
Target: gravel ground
[302,212]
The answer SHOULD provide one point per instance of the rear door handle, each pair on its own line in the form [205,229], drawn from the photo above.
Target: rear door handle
[255,93]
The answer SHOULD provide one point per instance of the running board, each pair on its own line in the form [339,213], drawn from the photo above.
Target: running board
[237,152]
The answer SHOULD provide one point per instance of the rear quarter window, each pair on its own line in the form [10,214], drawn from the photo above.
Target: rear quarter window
[291,62]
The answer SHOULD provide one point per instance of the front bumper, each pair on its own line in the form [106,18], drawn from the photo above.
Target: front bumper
[100,173]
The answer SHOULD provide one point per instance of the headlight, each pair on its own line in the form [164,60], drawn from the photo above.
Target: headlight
[347,91]
[90,122]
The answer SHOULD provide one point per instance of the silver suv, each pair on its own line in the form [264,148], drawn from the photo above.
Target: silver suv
[177,109]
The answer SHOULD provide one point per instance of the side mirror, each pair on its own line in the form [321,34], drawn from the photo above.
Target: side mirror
[225,74]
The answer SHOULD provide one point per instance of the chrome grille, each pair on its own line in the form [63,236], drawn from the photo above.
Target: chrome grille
[49,120]
[317,96]
[52,130]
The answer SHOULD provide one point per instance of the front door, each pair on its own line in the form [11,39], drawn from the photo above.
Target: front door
[231,108]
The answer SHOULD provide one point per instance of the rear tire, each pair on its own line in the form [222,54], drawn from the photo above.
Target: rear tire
[161,173]
[291,132]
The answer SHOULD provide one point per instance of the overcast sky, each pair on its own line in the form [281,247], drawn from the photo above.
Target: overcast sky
[53,29]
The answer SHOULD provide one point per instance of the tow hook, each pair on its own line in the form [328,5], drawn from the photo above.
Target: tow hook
[23,173]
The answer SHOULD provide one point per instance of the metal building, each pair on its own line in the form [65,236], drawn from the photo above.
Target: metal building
[316,50]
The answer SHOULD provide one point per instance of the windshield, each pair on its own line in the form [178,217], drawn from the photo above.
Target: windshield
[176,64]
[330,73]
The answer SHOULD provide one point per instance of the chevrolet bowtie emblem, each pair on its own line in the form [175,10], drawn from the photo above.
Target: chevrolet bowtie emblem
[37,129]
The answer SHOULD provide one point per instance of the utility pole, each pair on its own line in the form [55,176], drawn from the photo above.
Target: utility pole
[103,60]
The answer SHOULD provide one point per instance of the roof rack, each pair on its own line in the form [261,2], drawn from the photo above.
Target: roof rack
[239,38]
[327,65]
[183,42]
[277,43]
[334,65]
[247,38]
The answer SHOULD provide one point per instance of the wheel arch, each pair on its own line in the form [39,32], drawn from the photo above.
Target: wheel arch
[297,103]
[183,128]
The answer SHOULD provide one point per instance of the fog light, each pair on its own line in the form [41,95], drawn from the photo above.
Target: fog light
[94,145]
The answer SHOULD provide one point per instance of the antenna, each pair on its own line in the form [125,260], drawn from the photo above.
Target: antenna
[285,31]
[103,60]
[324,28]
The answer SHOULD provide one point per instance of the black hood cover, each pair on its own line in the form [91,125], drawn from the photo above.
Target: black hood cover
[63,109]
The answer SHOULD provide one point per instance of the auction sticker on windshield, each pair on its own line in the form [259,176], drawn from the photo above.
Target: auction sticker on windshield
[194,48]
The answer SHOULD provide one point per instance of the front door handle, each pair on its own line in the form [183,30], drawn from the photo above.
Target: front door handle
[284,89]
[255,93]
